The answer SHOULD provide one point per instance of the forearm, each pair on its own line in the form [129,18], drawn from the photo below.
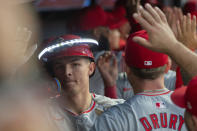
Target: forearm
[185,58]
[110,85]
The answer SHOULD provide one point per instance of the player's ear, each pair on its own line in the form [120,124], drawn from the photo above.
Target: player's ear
[92,67]
[128,70]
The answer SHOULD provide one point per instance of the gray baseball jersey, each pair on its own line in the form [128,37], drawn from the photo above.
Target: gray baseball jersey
[125,90]
[150,111]
[65,120]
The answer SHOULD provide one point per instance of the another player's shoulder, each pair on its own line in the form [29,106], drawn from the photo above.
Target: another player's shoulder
[115,118]
[103,100]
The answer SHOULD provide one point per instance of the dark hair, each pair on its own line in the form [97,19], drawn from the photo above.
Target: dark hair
[148,73]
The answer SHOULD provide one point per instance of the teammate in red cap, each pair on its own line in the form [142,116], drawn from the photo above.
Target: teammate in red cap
[166,42]
[186,97]
[70,60]
[151,108]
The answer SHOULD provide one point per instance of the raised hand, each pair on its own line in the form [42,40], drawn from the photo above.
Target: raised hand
[186,31]
[153,20]
[107,65]
[173,15]
[162,39]
[22,51]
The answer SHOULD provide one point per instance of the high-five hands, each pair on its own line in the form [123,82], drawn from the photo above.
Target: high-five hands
[153,20]
[186,31]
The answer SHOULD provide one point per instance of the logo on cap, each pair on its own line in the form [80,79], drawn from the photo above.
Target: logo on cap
[148,63]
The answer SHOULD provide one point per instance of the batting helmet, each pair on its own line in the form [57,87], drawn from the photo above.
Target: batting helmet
[67,45]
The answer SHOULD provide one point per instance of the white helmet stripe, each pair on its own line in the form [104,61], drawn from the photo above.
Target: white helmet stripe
[70,42]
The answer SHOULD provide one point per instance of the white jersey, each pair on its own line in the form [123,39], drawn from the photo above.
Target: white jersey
[143,112]
[125,90]
[65,120]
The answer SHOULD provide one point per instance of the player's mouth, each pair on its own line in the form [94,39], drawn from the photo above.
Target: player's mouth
[67,81]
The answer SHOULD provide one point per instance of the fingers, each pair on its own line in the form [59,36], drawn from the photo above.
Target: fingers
[142,42]
[153,13]
[184,29]
[161,14]
[23,34]
[188,22]
[142,21]
[100,61]
[107,56]
[194,24]
[179,13]
[178,27]
[104,58]
[147,16]
[30,52]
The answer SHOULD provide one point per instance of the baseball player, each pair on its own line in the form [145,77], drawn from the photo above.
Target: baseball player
[151,108]
[125,90]
[185,97]
[70,60]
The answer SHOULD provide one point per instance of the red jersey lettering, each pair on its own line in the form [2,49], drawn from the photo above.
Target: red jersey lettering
[163,117]
[181,121]
[154,120]
[146,124]
[173,121]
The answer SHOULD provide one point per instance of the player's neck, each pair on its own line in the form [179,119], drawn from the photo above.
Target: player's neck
[77,103]
[148,85]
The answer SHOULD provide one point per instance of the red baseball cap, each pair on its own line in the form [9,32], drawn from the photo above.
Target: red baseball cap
[67,45]
[186,97]
[96,16]
[190,6]
[92,17]
[116,18]
[194,13]
[141,57]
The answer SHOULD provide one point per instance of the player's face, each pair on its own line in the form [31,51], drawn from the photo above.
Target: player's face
[73,73]
[191,124]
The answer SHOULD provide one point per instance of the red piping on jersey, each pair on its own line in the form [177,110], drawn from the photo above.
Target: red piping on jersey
[90,108]
[155,94]
[94,103]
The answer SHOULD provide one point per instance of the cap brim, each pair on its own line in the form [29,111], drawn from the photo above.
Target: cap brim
[178,96]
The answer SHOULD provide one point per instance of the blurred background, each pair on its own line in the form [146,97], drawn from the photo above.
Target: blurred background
[55,15]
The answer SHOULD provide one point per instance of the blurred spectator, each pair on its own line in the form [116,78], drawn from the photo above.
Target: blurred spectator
[20,110]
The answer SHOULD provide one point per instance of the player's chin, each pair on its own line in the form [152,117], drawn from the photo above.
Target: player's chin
[70,85]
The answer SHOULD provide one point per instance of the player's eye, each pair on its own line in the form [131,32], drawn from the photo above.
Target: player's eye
[75,64]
